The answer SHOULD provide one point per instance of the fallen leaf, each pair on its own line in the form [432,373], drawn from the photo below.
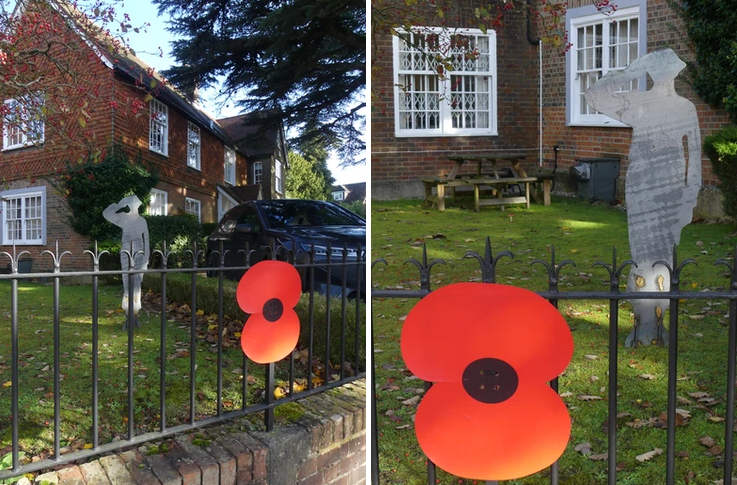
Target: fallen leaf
[566,394]
[648,377]
[715,419]
[649,455]
[404,426]
[7,384]
[698,395]
[413,401]
[715,450]
[583,448]
[591,357]
[707,441]
[600,457]
[586,397]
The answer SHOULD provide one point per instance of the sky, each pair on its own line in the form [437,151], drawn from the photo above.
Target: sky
[147,46]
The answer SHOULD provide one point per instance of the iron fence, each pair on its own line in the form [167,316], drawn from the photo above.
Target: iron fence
[335,268]
[488,263]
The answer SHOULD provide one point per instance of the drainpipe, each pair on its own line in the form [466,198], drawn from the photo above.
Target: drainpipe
[539,44]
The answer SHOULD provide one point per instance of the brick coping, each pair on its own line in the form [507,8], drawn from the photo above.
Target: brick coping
[321,441]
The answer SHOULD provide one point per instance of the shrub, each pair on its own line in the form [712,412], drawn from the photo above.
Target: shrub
[357,207]
[721,148]
[179,232]
[179,289]
[99,181]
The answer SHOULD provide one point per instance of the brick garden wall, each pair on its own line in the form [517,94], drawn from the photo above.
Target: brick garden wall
[321,443]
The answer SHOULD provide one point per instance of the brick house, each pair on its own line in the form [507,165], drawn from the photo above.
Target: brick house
[348,193]
[190,151]
[415,126]
[265,147]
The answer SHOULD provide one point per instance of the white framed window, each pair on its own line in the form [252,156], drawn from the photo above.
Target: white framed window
[193,206]
[279,176]
[229,166]
[158,205]
[338,195]
[601,43]
[225,203]
[158,136]
[23,216]
[23,123]
[432,102]
[258,172]
[193,145]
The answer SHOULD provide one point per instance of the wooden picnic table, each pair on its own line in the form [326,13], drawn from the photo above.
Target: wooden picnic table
[480,178]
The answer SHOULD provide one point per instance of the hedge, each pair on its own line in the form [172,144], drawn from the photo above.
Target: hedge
[721,148]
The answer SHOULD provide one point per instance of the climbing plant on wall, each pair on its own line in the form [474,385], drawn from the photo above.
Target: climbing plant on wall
[710,25]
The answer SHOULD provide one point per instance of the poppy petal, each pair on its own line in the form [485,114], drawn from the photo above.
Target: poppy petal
[504,441]
[267,280]
[460,323]
[265,342]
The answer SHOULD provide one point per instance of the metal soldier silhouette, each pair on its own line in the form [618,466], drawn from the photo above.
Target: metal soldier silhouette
[663,178]
[135,240]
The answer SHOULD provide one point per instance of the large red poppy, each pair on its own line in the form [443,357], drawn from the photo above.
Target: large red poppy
[490,350]
[269,292]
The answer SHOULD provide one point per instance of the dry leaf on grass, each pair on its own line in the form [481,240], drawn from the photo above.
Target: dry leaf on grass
[583,448]
[698,395]
[413,401]
[649,455]
[707,441]
[648,377]
[586,397]
[600,457]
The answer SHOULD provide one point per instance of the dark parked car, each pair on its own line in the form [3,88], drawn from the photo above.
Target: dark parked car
[292,227]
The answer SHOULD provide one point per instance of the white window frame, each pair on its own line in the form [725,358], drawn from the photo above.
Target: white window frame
[229,166]
[194,144]
[222,198]
[338,195]
[279,176]
[23,195]
[194,207]
[16,135]
[588,16]
[159,127]
[258,172]
[160,209]
[440,91]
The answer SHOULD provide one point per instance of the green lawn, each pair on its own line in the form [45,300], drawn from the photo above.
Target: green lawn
[584,233]
[36,399]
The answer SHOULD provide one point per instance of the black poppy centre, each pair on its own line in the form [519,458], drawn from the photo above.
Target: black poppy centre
[490,380]
[273,310]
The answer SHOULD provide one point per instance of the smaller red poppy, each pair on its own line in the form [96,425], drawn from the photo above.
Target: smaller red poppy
[269,292]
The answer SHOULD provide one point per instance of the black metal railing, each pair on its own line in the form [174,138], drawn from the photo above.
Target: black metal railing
[488,263]
[333,268]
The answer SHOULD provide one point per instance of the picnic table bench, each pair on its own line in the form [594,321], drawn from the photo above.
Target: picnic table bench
[483,179]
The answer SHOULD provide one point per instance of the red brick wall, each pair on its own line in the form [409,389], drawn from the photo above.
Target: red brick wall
[177,178]
[405,159]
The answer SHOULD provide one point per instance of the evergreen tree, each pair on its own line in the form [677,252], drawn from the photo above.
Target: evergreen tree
[306,179]
[306,58]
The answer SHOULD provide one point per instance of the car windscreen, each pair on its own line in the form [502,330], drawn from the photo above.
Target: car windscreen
[281,214]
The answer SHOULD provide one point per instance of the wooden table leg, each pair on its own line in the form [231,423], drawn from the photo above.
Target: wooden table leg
[527,193]
[547,184]
[428,194]
[476,197]
[441,197]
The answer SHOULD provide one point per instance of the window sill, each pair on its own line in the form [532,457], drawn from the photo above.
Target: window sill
[19,147]
[163,154]
[194,168]
[442,135]
[597,124]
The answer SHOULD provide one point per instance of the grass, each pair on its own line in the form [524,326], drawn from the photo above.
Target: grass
[36,357]
[584,233]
